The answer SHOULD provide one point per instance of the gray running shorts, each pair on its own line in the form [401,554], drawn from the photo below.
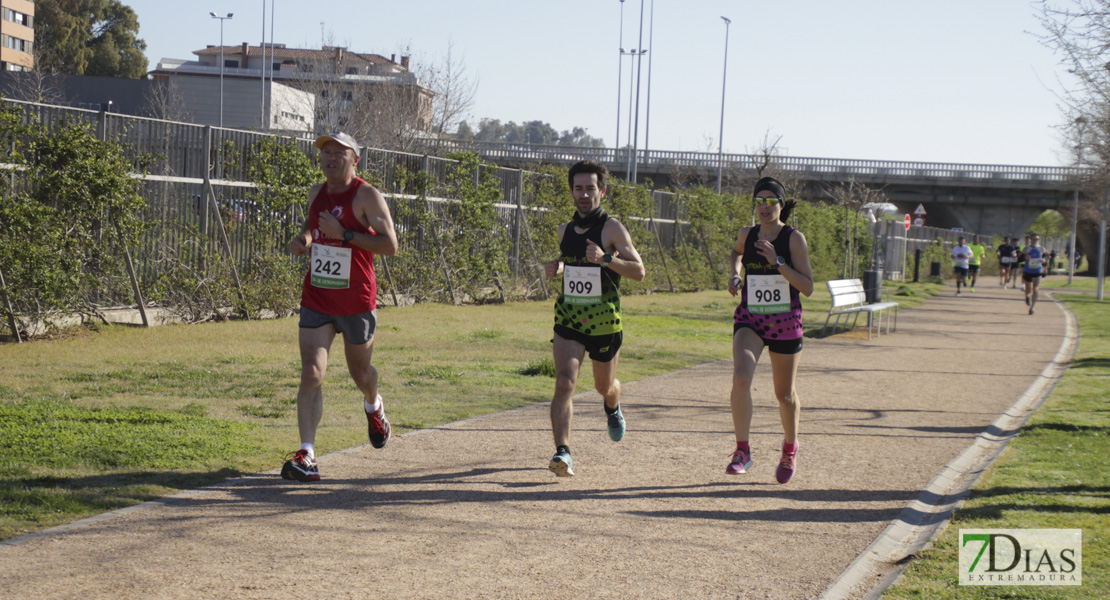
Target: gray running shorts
[356,329]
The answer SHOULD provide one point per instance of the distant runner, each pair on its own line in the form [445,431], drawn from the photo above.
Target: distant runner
[596,252]
[775,259]
[1033,271]
[1019,260]
[1005,262]
[973,263]
[961,254]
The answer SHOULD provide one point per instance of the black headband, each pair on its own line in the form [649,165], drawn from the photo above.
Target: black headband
[770,183]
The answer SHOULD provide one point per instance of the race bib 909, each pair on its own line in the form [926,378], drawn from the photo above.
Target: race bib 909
[581,285]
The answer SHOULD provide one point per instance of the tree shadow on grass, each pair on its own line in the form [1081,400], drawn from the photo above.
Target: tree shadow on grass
[1094,362]
[1063,490]
[1056,501]
[1068,428]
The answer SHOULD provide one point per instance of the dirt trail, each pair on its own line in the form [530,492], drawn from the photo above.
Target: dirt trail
[470,511]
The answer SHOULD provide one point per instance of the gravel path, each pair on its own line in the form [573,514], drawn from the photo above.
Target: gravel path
[470,511]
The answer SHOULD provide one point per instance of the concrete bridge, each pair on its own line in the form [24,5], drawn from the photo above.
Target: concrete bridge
[989,199]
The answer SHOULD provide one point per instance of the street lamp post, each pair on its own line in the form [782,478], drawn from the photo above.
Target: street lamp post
[721,135]
[222,19]
[273,12]
[620,68]
[263,65]
[647,117]
[636,127]
[632,84]
[1081,123]
[1102,243]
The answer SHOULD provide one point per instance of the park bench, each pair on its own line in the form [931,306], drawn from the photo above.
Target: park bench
[849,300]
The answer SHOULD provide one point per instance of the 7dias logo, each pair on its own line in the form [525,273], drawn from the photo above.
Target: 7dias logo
[1021,557]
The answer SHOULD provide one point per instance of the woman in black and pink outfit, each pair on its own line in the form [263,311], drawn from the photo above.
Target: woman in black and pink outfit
[775,260]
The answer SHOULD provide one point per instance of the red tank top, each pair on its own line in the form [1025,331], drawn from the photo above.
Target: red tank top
[338,293]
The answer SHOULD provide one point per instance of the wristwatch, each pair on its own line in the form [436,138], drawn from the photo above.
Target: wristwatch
[348,236]
[605,260]
[780,262]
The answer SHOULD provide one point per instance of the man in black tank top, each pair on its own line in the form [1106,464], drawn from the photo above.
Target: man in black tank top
[595,253]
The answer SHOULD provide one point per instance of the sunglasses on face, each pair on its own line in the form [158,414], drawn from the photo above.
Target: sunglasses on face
[768,201]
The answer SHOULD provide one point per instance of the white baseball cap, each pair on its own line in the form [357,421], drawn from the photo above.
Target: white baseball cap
[340,138]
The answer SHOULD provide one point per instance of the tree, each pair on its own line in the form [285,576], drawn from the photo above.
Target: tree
[79,210]
[852,197]
[453,88]
[166,101]
[381,103]
[538,132]
[1079,31]
[1052,227]
[464,132]
[490,130]
[89,37]
[530,132]
[579,137]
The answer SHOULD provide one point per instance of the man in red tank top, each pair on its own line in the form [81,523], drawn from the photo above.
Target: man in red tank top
[348,223]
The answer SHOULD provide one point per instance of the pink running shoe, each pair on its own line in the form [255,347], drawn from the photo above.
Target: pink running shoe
[741,462]
[787,465]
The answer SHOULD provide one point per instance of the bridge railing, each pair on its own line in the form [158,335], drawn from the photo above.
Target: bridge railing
[833,168]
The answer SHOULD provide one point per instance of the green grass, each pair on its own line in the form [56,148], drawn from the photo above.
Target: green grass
[107,418]
[1053,475]
[1079,282]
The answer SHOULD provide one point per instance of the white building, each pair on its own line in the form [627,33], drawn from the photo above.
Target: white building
[285,108]
[333,76]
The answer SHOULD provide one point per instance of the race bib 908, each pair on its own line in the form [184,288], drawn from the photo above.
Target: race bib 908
[768,294]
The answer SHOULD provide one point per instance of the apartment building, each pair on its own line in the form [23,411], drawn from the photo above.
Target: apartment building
[17,35]
[334,79]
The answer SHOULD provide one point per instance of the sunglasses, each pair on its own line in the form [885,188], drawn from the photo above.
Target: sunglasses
[768,201]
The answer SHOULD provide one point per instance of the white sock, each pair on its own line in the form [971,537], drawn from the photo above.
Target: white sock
[373,408]
[311,450]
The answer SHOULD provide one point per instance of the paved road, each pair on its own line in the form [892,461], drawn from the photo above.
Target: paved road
[470,510]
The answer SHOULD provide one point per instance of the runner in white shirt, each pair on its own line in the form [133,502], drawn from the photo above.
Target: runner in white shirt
[961,254]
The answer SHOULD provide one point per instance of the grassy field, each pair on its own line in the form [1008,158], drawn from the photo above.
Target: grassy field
[1053,475]
[1059,283]
[113,416]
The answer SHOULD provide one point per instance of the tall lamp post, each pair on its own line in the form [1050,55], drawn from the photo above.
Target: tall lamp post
[263,64]
[647,118]
[1081,123]
[222,19]
[632,85]
[721,135]
[620,68]
[636,128]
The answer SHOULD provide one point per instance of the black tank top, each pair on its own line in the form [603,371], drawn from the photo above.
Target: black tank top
[598,318]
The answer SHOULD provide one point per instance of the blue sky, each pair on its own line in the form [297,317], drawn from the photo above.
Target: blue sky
[938,81]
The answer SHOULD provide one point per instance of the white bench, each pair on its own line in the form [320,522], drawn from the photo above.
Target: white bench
[850,299]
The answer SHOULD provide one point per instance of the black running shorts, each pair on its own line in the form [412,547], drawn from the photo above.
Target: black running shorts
[601,348]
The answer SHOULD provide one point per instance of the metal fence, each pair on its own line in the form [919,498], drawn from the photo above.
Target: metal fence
[186,166]
[181,164]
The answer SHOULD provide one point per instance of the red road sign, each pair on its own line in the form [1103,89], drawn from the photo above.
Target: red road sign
[906,222]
